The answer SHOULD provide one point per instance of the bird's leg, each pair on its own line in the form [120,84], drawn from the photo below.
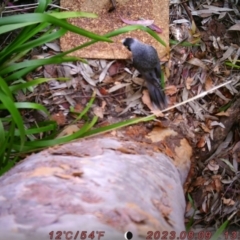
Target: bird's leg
[113,6]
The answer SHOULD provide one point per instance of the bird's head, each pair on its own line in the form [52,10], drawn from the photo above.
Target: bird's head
[128,42]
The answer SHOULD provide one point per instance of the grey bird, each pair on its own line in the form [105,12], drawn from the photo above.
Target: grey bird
[146,61]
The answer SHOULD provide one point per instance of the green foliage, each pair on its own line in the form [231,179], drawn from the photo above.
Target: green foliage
[36,29]
[232,65]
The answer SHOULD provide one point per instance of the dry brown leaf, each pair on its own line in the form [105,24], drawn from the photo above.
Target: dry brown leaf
[98,111]
[157,113]
[159,134]
[208,83]
[78,108]
[51,70]
[103,91]
[54,46]
[210,187]
[199,181]
[188,82]
[68,131]
[118,109]
[205,128]
[170,90]
[108,79]
[235,27]
[197,62]
[118,86]
[226,113]
[115,68]
[228,201]
[59,118]
[138,81]
[104,71]
[201,142]
[217,182]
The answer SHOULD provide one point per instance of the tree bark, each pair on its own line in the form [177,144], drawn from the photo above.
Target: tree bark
[105,185]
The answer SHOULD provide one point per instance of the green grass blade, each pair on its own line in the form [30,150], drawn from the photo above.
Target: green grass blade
[220,230]
[34,64]
[41,40]
[6,147]
[118,125]
[7,167]
[26,105]
[62,140]
[19,74]
[116,33]
[86,109]
[2,135]
[5,88]
[10,106]
[44,17]
[34,82]
[42,5]
[184,43]
[26,34]
[38,130]
[66,15]
[11,27]
[9,145]
[232,65]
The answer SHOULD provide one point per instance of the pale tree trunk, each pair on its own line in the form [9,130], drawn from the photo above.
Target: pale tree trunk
[105,185]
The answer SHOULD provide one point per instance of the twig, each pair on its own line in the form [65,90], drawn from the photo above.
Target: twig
[203,94]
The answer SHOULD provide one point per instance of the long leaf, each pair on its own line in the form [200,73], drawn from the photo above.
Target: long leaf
[116,33]
[42,5]
[35,63]
[25,34]
[41,40]
[26,105]
[62,140]
[10,106]
[114,126]
[2,134]
[65,15]
[32,83]
[5,88]
[44,17]
[4,150]
[11,27]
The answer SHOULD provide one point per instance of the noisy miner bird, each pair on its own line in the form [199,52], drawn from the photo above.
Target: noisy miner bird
[146,61]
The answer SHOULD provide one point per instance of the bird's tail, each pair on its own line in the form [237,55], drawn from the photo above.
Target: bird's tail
[156,93]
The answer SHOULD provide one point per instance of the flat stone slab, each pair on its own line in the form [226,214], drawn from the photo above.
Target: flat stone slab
[108,21]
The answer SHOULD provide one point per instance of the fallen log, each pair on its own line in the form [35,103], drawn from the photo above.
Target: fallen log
[98,188]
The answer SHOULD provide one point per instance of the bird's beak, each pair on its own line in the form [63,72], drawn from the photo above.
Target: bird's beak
[121,41]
